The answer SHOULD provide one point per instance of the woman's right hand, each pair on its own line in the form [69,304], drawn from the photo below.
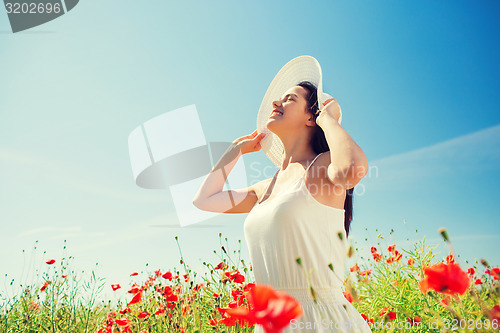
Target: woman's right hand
[250,143]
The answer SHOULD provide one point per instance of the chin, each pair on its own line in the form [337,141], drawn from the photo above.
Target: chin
[275,128]
[271,126]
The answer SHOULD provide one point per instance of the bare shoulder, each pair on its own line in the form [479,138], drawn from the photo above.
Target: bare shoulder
[322,162]
[259,187]
[321,167]
[324,159]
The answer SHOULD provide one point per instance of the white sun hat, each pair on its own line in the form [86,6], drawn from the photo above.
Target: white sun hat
[303,68]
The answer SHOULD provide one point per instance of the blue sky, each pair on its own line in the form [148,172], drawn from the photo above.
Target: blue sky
[417,81]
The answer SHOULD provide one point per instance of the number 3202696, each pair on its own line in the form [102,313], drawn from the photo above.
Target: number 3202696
[32,8]
[471,324]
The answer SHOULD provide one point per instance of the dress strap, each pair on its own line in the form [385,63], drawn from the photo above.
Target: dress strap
[307,169]
[267,188]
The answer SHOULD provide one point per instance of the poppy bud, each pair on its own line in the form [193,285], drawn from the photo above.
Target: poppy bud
[443,233]
[350,251]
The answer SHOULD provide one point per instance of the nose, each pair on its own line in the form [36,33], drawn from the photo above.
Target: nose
[276,104]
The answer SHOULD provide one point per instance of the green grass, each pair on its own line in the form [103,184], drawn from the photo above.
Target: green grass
[71,303]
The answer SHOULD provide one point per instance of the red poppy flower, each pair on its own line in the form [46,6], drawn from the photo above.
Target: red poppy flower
[115,286]
[268,307]
[160,311]
[238,296]
[373,249]
[348,296]
[471,271]
[365,272]
[411,262]
[143,315]
[391,315]
[134,274]
[383,312]
[391,248]
[494,313]
[495,272]
[444,278]
[185,309]
[235,277]
[368,321]
[123,322]
[229,320]
[354,268]
[134,289]
[50,262]
[222,265]
[377,257]
[34,306]
[450,259]
[168,276]
[248,286]
[478,281]
[136,299]
[125,310]
[111,315]
[45,285]
[414,321]
[170,296]
[445,301]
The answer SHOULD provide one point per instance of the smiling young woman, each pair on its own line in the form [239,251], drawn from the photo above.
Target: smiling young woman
[304,211]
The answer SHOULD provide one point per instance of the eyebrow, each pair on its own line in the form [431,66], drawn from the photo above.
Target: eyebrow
[290,95]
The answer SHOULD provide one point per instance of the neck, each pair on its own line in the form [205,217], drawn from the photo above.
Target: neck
[297,149]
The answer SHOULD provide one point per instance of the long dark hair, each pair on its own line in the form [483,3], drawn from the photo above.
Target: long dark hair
[319,145]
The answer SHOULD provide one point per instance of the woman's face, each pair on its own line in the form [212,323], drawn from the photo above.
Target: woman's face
[290,112]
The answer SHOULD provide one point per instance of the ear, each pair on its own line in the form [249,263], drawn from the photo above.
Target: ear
[311,121]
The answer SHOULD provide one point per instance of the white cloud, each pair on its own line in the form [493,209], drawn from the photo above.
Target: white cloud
[475,152]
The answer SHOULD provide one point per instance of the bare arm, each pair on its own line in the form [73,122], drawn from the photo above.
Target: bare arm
[348,161]
[210,196]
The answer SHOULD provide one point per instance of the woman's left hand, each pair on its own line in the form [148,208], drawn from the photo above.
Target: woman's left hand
[330,108]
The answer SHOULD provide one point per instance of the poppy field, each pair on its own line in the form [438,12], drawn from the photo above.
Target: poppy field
[409,290]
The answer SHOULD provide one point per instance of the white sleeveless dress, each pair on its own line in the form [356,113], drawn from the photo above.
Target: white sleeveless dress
[294,224]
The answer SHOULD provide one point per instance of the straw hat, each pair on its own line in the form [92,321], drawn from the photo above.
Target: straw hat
[303,68]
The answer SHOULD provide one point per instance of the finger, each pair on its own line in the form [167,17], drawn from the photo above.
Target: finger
[327,101]
[260,136]
[251,136]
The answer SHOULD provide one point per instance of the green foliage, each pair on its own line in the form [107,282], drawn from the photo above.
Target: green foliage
[378,286]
